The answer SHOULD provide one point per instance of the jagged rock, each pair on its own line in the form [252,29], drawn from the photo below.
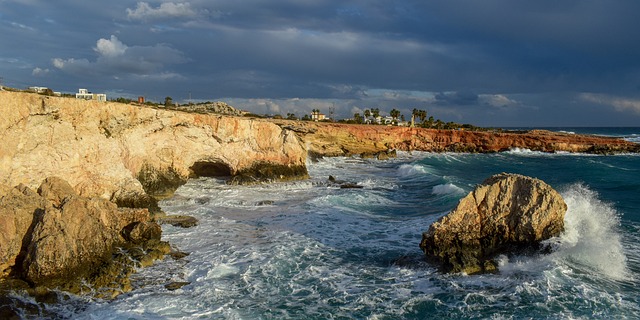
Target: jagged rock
[58,239]
[72,235]
[178,221]
[507,213]
[18,207]
[140,232]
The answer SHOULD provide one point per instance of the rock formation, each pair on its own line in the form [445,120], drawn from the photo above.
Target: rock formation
[55,238]
[337,139]
[212,107]
[507,213]
[132,154]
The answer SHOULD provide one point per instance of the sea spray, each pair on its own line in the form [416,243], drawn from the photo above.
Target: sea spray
[592,233]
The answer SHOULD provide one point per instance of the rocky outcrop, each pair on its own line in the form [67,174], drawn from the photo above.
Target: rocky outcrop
[336,139]
[134,155]
[57,239]
[211,107]
[507,213]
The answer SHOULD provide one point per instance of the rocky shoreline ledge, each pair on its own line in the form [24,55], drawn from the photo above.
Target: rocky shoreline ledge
[80,180]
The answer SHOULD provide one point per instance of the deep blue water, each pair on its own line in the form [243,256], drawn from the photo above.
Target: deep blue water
[310,250]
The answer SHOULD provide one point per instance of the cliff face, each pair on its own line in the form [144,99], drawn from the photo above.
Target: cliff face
[125,153]
[332,139]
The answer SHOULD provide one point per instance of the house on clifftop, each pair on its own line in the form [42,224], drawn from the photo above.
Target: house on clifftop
[86,95]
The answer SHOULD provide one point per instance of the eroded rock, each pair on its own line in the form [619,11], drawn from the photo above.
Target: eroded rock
[58,239]
[507,213]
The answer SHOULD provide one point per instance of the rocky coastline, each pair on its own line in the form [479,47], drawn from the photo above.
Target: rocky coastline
[80,180]
[336,139]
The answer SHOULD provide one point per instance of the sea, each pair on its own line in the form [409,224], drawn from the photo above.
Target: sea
[312,250]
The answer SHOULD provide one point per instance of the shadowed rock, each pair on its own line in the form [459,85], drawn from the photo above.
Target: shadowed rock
[507,213]
[58,239]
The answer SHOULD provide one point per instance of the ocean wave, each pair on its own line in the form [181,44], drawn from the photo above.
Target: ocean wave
[592,237]
[444,189]
[409,170]
[633,138]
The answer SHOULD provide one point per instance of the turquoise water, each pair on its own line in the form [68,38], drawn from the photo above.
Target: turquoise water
[310,250]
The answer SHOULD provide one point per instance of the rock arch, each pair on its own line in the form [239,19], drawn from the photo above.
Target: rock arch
[209,168]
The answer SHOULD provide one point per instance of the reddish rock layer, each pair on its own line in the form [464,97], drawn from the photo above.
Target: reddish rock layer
[333,139]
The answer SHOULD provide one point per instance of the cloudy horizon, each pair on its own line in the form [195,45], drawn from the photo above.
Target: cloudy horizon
[490,63]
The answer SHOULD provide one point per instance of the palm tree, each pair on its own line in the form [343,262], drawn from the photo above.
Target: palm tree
[395,113]
[357,117]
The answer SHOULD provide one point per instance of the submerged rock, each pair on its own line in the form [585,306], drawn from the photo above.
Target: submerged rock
[507,213]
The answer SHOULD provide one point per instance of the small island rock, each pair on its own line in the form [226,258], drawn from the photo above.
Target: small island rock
[507,213]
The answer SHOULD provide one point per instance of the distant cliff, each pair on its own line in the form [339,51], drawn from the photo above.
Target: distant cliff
[334,139]
[126,153]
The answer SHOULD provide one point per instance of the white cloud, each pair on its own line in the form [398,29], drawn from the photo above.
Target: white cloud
[144,11]
[39,72]
[619,104]
[110,48]
[116,59]
[497,100]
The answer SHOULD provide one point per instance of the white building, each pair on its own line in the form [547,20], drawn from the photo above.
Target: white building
[86,95]
[44,90]
[38,89]
[317,116]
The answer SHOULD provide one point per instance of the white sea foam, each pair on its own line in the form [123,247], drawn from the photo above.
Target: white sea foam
[633,138]
[408,170]
[592,236]
[449,188]
[322,252]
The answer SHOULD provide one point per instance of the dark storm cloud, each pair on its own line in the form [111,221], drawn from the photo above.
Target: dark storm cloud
[473,61]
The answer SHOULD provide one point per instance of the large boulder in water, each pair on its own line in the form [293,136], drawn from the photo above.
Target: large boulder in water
[507,213]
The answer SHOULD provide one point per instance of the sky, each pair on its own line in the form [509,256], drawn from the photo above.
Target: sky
[508,63]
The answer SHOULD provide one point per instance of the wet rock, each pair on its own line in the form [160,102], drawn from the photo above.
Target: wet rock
[344,184]
[178,221]
[176,285]
[506,214]
[177,255]
[262,172]
[140,232]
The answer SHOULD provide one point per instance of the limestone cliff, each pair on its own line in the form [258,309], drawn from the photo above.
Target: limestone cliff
[334,139]
[125,153]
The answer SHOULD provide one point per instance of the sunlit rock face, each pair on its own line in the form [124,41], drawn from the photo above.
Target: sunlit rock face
[131,154]
[506,214]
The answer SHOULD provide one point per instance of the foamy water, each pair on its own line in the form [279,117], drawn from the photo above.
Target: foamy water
[310,250]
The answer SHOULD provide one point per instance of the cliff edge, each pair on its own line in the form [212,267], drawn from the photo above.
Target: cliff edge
[133,155]
[337,139]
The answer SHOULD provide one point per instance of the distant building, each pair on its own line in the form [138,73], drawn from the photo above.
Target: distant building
[317,116]
[44,90]
[38,89]
[86,95]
